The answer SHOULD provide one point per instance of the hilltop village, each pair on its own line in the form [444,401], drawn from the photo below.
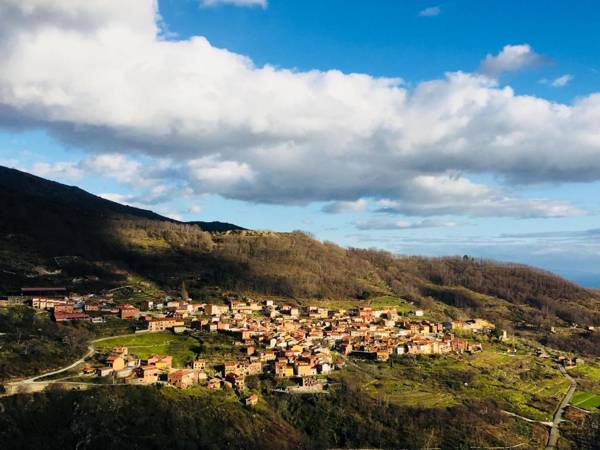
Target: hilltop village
[300,344]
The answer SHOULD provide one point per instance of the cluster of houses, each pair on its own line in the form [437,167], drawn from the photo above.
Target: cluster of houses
[301,343]
[152,370]
[158,369]
[291,342]
[68,307]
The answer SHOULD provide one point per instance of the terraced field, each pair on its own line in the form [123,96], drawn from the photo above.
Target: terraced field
[586,400]
[521,384]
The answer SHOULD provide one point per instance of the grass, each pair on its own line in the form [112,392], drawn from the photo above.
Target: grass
[401,305]
[113,326]
[141,289]
[214,347]
[588,376]
[586,400]
[182,348]
[520,384]
[384,301]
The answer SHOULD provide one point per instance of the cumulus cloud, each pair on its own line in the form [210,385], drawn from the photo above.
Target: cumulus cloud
[446,195]
[343,207]
[98,75]
[559,81]
[132,200]
[512,58]
[208,3]
[113,165]
[430,12]
[57,170]
[403,224]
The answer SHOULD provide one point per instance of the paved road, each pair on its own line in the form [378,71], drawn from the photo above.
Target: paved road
[554,432]
[89,353]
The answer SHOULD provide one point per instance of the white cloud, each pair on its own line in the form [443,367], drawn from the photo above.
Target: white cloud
[430,12]
[65,171]
[208,3]
[511,58]
[131,200]
[209,174]
[115,197]
[113,165]
[403,224]
[207,120]
[344,207]
[446,195]
[558,82]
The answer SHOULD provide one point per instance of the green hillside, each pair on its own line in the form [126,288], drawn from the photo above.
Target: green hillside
[51,234]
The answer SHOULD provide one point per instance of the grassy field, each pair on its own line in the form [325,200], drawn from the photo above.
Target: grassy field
[384,301]
[214,347]
[520,384]
[586,400]
[182,348]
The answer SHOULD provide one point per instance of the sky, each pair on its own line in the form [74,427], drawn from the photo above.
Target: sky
[432,128]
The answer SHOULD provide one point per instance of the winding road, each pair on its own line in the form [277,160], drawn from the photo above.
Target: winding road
[90,352]
[34,379]
[554,431]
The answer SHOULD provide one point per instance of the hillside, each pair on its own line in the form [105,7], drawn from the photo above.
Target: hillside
[23,190]
[52,234]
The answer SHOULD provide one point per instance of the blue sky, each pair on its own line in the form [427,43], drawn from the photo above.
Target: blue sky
[471,127]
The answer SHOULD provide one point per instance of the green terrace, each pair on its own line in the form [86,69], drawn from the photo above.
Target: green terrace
[520,384]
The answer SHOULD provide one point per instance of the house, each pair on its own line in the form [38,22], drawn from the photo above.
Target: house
[162,323]
[303,369]
[148,374]
[215,310]
[199,364]
[182,378]
[88,370]
[237,381]
[104,371]
[162,362]
[128,311]
[116,362]
[147,305]
[214,384]
[383,355]
[252,400]
[284,370]
[66,308]
[64,316]
[253,367]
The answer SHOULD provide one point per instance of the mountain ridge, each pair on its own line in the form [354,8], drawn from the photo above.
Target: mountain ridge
[46,219]
[73,196]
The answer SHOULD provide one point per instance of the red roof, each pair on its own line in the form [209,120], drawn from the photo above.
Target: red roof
[59,315]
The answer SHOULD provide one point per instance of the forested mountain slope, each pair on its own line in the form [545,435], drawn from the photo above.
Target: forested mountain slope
[42,220]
